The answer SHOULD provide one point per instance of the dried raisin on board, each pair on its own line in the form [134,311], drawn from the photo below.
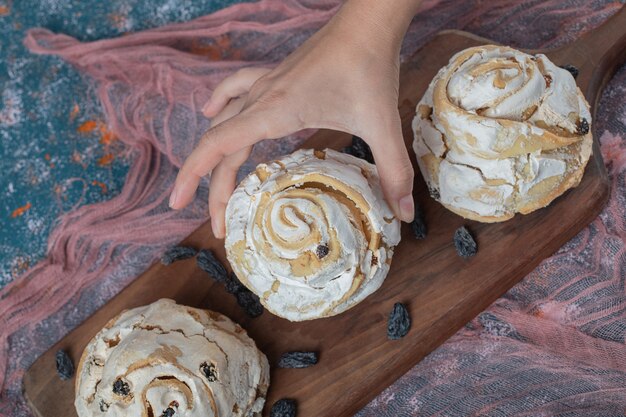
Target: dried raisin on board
[65,366]
[177,253]
[399,322]
[418,225]
[211,265]
[209,371]
[361,149]
[121,387]
[464,243]
[571,69]
[284,408]
[250,303]
[297,359]
[233,285]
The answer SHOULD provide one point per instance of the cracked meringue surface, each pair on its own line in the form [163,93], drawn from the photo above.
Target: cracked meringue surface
[500,132]
[169,359]
[311,233]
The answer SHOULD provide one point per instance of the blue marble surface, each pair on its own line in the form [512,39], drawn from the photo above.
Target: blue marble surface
[55,151]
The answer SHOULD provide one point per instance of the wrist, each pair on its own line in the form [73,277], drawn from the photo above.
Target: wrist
[382,21]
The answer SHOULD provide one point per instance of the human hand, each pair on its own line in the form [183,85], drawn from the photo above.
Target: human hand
[345,78]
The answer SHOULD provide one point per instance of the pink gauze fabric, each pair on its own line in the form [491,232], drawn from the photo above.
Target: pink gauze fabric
[553,345]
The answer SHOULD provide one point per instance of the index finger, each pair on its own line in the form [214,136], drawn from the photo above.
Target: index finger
[222,140]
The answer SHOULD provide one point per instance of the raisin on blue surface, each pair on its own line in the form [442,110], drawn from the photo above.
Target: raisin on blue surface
[360,149]
[571,69]
[399,322]
[177,253]
[211,265]
[297,359]
[250,303]
[418,225]
[121,388]
[65,366]
[464,243]
[284,408]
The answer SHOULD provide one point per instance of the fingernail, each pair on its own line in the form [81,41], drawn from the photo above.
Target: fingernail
[407,208]
[214,227]
[217,230]
[206,106]
[173,197]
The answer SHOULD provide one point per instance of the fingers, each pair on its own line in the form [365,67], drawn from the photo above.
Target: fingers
[223,181]
[231,87]
[208,153]
[394,165]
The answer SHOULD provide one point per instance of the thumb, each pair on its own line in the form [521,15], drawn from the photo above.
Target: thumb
[393,164]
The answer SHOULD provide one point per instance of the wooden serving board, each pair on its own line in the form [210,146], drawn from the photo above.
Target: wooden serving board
[441,290]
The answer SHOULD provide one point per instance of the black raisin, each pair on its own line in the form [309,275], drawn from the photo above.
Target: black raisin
[434,193]
[65,366]
[284,408]
[177,253]
[212,266]
[250,302]
[297,360]
[321,251]
[121,388]
[168,412]
[361,149]
[103,406]
[233,285]
[209,371]
[399,322]
[571,69]
[464,243]
[418,225]
[582,126]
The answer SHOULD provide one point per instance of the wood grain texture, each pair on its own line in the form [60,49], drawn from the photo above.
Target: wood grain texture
[441,290]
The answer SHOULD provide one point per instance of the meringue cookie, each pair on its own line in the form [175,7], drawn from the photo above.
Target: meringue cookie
[500,132]
[311,233]
[164,355]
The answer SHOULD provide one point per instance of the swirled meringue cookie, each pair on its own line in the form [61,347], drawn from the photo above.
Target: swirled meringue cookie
[165,359]
[500,132]
[311,233]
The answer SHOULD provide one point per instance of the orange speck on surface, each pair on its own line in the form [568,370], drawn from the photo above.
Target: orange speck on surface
[78,158]
[206,50]
[215,51]
[4,10]
[21,210]
[118,20]
[106,159]
[223,41]
[47,157]
[87,127]
[107,136]
[20,264]
[103,186]
[74,112]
